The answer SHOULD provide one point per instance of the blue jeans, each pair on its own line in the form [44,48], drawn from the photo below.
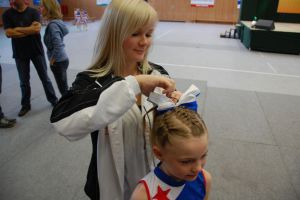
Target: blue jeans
[1,113]
[59,70]
[23,67]
[0,78]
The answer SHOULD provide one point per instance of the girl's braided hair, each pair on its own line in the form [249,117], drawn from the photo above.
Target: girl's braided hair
[179,121]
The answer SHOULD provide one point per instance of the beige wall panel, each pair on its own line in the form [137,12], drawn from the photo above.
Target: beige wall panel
[224,11]
[174,10]
[93,10]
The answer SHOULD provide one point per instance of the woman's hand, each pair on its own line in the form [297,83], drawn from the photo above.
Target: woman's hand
[149,82]
[52,61]
[175,96]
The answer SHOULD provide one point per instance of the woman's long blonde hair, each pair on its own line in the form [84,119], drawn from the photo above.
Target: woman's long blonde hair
[121,19]
[53,9]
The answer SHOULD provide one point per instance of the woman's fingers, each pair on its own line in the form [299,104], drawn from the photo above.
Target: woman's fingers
[149,82]
[169,86]
[175,96]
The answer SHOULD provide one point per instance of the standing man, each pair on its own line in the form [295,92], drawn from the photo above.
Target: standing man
[22,25]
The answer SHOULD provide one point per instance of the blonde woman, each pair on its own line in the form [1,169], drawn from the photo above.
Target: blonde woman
[55,32]
[108,101]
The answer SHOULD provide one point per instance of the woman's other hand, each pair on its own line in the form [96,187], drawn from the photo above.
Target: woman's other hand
[149,82]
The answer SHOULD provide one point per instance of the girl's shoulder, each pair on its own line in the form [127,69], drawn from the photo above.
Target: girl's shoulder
[139,193]
[208,180]
[51,26]
[54,23]
[207,177]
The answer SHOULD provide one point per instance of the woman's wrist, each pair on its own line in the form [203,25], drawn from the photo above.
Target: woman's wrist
[133,84]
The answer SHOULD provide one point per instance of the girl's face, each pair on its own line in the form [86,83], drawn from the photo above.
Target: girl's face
[136,45]
[43,10]
[184,158]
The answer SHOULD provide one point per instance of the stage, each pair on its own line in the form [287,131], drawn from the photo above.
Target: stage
[285,38]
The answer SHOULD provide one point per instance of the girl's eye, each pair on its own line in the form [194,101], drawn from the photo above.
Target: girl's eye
[186,161]
[148,35]
[134,34]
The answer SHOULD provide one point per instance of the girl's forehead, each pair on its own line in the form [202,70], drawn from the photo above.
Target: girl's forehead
[189,144]
[146,27]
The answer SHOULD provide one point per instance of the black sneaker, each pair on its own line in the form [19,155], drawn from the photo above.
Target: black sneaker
[7,123]
[24,110]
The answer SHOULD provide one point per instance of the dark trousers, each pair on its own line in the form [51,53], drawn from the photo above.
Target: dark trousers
[1,113]
[59,70]
[23,67]
[91,187]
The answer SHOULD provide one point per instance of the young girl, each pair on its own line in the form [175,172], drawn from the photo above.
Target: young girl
[84,19]
[55,32]
[180,141]
[77,19]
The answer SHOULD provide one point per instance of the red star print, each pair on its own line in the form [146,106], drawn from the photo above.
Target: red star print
[161,195]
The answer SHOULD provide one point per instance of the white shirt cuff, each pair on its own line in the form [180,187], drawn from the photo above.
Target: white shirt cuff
[133,84]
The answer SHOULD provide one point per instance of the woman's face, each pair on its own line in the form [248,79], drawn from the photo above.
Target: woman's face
[136,45]
[44,11]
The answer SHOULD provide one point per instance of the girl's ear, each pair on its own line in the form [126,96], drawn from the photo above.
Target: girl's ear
[157,152]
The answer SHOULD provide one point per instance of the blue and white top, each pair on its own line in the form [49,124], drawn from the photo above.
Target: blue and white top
[160,186]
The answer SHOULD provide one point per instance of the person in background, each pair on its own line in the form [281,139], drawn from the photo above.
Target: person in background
[55,32]
[84,19]
[22,25]
[4,121]
[109,101]
[77,19]
[180,141]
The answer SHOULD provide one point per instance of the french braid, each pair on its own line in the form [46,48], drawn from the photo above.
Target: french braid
[179,121]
